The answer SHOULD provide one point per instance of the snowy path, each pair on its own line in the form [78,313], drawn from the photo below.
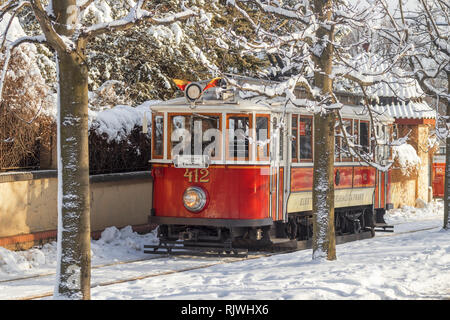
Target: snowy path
[401,267]
[154,266]
[407,264]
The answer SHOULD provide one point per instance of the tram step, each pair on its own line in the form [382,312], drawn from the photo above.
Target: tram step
[205,251]
[383,227]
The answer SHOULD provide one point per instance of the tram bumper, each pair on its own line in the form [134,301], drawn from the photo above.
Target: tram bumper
[227,223]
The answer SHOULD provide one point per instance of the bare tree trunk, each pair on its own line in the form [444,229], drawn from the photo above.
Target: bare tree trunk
[324,240]
[73,166]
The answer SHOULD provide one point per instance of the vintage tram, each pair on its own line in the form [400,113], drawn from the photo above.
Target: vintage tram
[232,170]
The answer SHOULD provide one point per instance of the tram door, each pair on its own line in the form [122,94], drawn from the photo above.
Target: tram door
[382,155]
[277,169]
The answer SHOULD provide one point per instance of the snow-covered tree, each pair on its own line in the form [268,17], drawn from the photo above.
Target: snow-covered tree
[147,58]
[423,26]
[312,53]
[64,31]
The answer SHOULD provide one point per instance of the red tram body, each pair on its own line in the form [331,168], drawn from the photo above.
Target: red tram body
[242,190]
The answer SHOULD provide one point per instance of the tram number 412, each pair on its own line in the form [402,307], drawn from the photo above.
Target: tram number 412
[197,175]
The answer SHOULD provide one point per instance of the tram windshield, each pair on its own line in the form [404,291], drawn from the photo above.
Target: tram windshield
[238,127]
[195,134]
[212,136]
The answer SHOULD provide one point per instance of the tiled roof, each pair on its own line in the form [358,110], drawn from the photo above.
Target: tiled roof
[410,110]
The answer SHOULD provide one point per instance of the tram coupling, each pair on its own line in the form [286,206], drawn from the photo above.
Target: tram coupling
[203,249]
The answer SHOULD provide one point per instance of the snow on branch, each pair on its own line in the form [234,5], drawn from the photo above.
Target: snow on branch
[135,16]
[293,14]
[45,21]
[285,88]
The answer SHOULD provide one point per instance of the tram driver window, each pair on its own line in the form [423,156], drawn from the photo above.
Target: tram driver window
[195,134]
[305,137]
[158,136]
[238,132]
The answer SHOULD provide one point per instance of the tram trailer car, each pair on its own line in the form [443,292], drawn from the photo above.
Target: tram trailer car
[256,184]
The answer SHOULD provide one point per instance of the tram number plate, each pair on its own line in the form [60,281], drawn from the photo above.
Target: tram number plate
[197,175]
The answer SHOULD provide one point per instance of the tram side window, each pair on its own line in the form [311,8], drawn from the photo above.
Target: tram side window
[356,135]
[364,135]
[294,134]
[262,136]
[158,136]
[348,126]
[280,139]
[238,133]
[305,137]
[337,142]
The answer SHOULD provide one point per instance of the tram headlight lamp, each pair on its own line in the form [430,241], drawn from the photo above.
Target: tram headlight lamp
[193,91]
[194,199]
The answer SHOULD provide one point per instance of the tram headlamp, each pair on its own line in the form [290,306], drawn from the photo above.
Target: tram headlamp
[194,199]
[193,91]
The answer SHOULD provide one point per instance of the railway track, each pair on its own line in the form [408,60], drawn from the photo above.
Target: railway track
[151,275]
[252,255]
[40,275]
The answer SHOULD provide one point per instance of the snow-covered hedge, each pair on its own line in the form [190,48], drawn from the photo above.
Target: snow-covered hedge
[116,141]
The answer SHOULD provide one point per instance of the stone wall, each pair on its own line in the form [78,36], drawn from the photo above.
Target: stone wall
[28,204]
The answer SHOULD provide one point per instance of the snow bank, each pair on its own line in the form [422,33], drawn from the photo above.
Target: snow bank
[119,244]
[113,245]
[431,211]
[16,262]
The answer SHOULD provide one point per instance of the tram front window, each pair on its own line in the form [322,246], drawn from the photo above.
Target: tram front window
[195,134]
[238,132]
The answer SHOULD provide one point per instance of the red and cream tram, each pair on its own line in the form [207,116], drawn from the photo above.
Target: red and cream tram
[224,169]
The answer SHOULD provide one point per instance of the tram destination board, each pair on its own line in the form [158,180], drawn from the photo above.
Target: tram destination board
[191,161]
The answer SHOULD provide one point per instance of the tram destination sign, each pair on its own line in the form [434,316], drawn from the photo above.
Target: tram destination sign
[191,161]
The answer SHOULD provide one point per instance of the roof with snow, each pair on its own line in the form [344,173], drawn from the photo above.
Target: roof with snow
[395,93]
[410,110]
[391,81]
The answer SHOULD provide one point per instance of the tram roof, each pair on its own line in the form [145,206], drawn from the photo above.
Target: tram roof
[260,105]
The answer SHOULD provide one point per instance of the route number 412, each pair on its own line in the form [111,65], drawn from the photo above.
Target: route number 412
[197,175]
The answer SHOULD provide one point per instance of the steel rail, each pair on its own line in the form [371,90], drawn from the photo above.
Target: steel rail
[152,275]
[40,275]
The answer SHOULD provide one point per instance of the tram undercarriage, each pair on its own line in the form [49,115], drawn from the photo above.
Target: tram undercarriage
[348,222]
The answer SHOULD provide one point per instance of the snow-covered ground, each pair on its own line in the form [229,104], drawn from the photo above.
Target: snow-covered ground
[406,264]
